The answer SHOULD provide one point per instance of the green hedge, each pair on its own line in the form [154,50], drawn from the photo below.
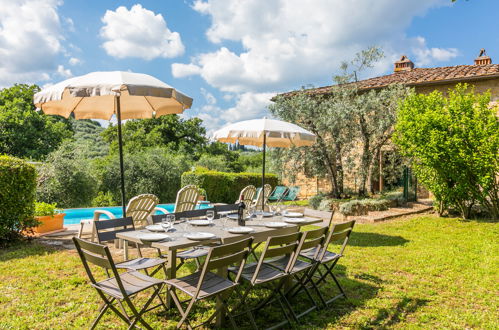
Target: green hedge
[17,197]
[222,187]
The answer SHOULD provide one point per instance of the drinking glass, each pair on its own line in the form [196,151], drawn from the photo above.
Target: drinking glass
[184,224]
[224,220]
[170,218]
[210,215]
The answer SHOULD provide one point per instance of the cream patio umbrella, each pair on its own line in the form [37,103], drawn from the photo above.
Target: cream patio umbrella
[100,95]
[265,132]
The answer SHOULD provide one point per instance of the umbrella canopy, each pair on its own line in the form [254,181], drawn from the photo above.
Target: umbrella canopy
[93,96]
[269,132]
[100,95]
[265,132]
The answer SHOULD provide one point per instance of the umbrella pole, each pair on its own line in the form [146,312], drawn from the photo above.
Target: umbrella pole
[120,144]
[263,171]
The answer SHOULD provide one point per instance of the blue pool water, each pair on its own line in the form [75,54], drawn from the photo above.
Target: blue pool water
[74,216]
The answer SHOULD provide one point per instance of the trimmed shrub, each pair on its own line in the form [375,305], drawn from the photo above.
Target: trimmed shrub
[17,197]
[223,187]
[315,201]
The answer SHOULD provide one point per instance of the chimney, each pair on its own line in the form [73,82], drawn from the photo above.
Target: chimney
[482,58]
[404,64]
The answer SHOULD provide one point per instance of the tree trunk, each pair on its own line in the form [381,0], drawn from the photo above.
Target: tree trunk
[365,158]
[339,169]
[330,165]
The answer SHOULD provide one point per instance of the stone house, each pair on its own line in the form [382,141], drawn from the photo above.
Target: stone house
[482,74]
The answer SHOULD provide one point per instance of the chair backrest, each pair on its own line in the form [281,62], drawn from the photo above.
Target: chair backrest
[278,192]
[278,246]
[140,207]
[311,239]
[339,233]
[187,198]
[118,225]
[292,193]
[96,254]
[224,256]
[248,194]
[227,208]
[260,195]
[185,214]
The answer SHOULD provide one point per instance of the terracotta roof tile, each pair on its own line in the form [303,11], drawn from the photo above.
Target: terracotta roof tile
[420,76]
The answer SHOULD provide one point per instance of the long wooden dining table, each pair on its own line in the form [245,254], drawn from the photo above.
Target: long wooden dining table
[176,240]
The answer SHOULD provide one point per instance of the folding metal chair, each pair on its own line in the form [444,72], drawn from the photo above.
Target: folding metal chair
[311,240]
[123,225]
[340,233]
[205,284]
[120,288]
[262,273]
[194,253]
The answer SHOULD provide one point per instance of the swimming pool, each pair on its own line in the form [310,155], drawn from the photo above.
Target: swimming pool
[74,216]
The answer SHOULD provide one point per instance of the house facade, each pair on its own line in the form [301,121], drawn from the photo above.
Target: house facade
[482,74]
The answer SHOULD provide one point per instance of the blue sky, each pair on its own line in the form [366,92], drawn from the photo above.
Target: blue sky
[232,56]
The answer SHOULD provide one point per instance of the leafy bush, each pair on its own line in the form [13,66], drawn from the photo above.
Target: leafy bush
[453,142]
[316,200]
[222,187]
[66,179]
[104,199]
[214,163]
[153,171]
[17,197]
[353,207]
[45,209]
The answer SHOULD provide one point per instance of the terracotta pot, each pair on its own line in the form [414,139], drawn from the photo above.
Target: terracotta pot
[49,223]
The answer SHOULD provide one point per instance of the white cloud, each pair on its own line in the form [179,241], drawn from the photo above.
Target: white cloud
[74,61]
[139,32]
[63,72]
[290,43]
[30,40]
[180,70]
[426,56]
[248,106]
[209,98]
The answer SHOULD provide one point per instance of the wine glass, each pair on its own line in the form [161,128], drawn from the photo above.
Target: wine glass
[224,220]
[184,224]
[210,215]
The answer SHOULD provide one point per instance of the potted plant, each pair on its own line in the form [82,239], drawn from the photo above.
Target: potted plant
[49,218]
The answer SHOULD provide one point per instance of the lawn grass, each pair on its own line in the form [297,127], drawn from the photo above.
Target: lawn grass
[421,272]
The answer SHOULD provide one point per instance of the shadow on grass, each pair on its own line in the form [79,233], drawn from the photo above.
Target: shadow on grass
[358,293]
[389,317]
[24,249]
[373,239]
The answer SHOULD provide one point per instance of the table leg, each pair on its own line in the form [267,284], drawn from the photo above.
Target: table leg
[125,249]
[171,272]
[220,320]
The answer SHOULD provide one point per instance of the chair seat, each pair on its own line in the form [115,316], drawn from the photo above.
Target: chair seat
[328,256]
[133,282]
[212,284]
[192,253]
[266,273]
[140,263]
[282,262]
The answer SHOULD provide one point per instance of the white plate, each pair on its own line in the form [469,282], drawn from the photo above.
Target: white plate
[240,230]
[199,236]
[200,222]
[294,220]
[265,214]
[146,237]
[155,228]
[293,214]
[276,224]
[235,217]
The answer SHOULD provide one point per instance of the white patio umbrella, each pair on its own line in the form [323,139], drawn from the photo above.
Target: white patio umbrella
[265,132]
[100,95]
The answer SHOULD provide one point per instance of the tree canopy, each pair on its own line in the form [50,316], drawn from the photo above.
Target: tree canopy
[24,132]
